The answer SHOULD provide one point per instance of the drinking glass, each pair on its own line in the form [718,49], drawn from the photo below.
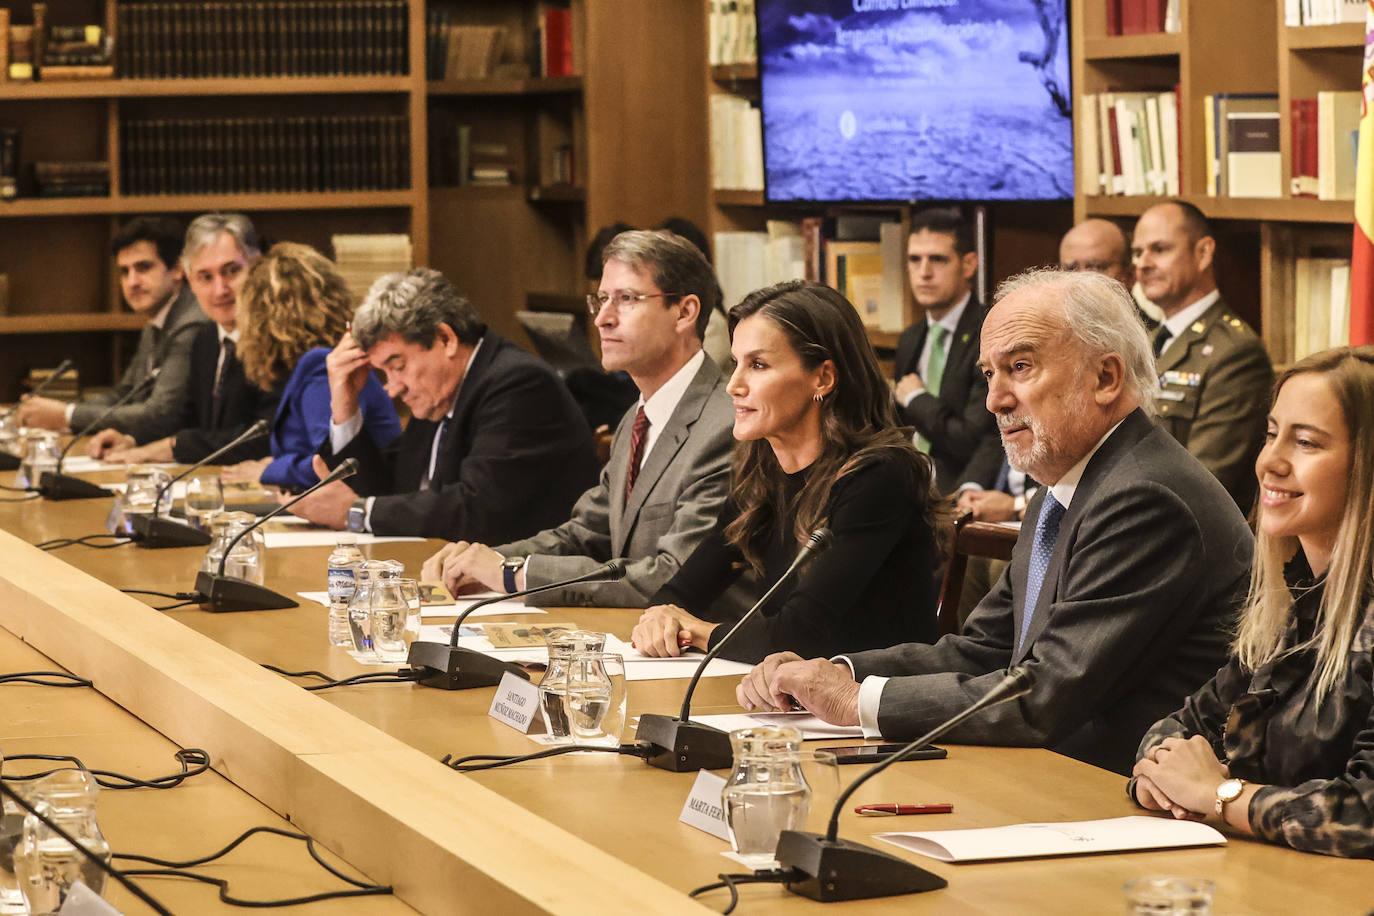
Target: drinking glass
[390,612]
[204,497]
[766,792]
[553,686]
[410,591]
[9,434]
[11,830]
[594,701]
[1169,895]
[40,455]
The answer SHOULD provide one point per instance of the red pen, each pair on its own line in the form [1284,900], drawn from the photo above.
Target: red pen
[895,809]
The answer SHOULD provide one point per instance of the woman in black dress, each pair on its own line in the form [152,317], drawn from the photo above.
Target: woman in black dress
[818,445]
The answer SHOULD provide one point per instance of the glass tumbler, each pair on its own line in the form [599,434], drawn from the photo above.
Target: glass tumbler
[204,497]
[1169,895]
[766,792]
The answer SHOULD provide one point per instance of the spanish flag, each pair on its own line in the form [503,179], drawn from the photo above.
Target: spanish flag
[1362,254]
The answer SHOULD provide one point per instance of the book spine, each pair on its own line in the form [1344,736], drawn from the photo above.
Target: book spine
[4,45]
[9,163]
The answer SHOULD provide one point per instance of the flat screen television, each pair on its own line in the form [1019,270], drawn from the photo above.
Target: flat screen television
[903,100]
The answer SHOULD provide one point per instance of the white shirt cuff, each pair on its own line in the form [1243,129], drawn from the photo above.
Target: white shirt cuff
[367,514]
[906,402]
[67,415]
[340,434]
[870,697]
[969,485]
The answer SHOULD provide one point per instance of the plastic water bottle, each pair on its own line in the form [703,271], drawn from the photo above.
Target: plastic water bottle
[343,566]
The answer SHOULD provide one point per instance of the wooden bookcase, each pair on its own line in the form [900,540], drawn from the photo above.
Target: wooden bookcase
[1230,46]
[64,297]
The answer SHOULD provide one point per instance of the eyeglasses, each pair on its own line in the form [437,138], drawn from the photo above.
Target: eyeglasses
[621,299]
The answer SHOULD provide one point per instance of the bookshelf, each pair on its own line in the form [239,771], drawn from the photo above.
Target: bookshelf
[64,297]
[1231,46]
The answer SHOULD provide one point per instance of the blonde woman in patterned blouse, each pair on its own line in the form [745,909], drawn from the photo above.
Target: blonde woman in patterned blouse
[1280,744]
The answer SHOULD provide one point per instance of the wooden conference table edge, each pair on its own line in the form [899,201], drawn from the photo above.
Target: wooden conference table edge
[429,834]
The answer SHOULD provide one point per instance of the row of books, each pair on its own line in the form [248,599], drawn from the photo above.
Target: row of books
[1325,135]
[732,32]
[1321,304]
[1140,17]
[746,261]
[1323,12]
[242,155]
[457,160]
[71,179]
[235,38]
[1241,138]
[456,52]
[736,143]
[1129,143]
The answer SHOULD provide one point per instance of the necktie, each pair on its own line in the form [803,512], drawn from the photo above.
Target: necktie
[1046,533]
[637,436]
[935,371]
[435,445]
[226,364]
[1162,339]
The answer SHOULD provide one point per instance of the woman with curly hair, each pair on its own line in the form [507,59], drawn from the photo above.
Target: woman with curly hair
[292,309]
[818,445]
[1280,744]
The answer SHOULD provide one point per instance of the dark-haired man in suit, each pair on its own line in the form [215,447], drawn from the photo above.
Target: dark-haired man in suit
[496,448]
[939,388]
[1123,583]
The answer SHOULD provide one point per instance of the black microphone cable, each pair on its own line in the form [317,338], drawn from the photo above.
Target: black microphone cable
[193,760]
[471,764]
[182,599]
[730,882]
[59,679]
[399,676]
[86,540]
[170,869]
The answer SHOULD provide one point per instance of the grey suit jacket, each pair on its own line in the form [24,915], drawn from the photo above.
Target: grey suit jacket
[166,351]
[1133,615]
[681,487]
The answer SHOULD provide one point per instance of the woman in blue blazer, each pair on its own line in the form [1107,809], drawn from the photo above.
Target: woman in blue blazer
[292,309]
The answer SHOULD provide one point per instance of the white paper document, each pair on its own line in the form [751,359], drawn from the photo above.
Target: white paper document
[500,608]
[811,728]
[276,539]
[82,464]
[1028,841]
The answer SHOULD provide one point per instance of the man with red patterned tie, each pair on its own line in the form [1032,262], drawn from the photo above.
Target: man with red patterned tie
[669,468]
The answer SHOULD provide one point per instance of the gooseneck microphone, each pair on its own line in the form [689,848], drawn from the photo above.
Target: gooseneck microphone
[827,869]
[153,531]
[218,592]
[10,462]
[448,667]
[681,745]
[56,485]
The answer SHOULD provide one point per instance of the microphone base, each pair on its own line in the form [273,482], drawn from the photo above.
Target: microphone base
[228,593]
[842,870]
[450,668]
[9,462]
[684,747]
[64,486]
[156,532]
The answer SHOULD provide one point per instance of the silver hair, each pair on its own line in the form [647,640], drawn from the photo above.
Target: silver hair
[413,303]
[673,263]
[1101,315]
[207,227]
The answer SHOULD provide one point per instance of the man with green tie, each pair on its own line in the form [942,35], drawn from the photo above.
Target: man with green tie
[940,388]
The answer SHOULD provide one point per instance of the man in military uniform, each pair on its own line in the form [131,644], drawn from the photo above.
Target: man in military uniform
[1215,376]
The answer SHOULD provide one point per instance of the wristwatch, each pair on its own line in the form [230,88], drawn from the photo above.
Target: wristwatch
[357,515]
[509,567]
[1228,791]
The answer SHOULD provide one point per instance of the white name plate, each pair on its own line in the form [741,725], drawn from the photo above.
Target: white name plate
[517,704]
[704,809]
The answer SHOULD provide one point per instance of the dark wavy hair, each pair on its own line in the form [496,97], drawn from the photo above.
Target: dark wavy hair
[858,421]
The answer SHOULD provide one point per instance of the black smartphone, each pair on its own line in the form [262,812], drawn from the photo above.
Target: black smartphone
[872,753]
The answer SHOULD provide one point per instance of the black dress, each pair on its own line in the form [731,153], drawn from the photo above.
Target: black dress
[873,588]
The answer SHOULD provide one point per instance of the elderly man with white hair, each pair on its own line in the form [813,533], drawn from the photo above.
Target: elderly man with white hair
[1122,587]
[496,448]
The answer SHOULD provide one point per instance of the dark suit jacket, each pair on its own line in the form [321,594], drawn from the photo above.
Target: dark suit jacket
[514,458]
[1215,382]
[1133,615]
[957,421]
[243,405]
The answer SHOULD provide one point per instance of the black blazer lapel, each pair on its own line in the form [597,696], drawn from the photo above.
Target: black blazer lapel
[962,353]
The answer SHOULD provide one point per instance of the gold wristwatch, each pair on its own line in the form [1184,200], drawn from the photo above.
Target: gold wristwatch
[1228,791]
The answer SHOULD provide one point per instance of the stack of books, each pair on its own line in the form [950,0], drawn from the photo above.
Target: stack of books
[1241,135]
[1326,137]
[71,179]
[733,32]
[1323,12]
[363,258]
[66,388]
[53,52]
[1321,304]
[746,261]
[736,143]
[1129,143]
[456,52]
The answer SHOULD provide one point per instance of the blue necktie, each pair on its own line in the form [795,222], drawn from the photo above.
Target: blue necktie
[1046,533]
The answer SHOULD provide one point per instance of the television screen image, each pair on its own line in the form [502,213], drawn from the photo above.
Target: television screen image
[892,100]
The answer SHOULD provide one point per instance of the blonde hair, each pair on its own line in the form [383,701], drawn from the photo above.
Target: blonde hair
[293,299]
[1350,576]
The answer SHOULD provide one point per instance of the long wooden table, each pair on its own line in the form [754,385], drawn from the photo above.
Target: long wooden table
[357,767]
